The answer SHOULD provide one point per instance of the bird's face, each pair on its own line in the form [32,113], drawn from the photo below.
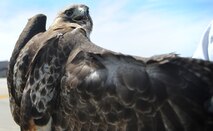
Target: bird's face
[78,14]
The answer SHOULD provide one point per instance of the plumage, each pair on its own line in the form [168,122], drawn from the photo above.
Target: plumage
[59,80]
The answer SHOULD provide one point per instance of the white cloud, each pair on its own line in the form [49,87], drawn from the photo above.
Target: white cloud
[10,28]
[148,32]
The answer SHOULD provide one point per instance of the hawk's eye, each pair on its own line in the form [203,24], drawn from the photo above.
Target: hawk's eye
[69,12]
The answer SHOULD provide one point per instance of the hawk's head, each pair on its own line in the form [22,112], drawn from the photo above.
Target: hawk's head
[77,14]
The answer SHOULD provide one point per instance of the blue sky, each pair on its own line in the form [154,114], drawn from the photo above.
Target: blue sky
[137,27]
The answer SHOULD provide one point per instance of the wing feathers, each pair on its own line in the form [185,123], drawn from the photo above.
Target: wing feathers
[35,25]
[160,91]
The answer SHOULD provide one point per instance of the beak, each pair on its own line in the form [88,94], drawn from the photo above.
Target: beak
[80,13]
[82,10]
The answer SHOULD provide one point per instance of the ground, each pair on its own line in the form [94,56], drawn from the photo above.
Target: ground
[6,120]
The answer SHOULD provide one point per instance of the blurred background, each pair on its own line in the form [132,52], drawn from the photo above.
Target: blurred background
[139,27]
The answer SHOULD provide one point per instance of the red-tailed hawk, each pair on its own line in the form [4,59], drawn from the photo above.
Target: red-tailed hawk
[59,80]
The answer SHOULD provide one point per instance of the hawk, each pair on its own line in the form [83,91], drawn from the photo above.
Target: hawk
[59,80]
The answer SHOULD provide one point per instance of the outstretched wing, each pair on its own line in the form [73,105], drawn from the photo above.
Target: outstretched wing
[34,26]
[116,92]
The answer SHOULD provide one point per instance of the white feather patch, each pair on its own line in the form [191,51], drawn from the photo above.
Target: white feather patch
[47,127]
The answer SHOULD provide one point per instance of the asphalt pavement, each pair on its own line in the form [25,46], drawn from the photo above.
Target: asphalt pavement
[6,120]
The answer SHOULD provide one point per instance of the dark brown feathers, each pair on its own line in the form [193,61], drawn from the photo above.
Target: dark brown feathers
[60,80]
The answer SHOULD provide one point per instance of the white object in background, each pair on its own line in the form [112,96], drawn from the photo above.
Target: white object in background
[205,47]
[210,45]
